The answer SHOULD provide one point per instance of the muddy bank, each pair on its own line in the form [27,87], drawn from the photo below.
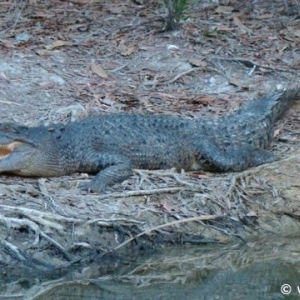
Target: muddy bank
[39,230]
[61,62]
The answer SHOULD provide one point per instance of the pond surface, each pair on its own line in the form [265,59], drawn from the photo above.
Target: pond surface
[264,269]
[260,281]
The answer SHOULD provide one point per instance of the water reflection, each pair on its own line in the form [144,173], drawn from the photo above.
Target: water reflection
[256,270]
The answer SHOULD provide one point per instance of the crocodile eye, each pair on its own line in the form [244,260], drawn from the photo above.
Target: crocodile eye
[9,128]
[51,129]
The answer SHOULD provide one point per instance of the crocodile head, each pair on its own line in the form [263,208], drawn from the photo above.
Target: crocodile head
[17,152]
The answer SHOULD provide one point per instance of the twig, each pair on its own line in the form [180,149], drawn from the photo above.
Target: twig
[146,22]
[184,73]
[13,250]
[108,222]
[200,218]
[17,19]
[57,245]
[32,214]
[51,201]
[171,173]
[191,185]
[142,176]
[9,102]
[20,223]
[254,63]
[156,82]
[141,193]
[119,68]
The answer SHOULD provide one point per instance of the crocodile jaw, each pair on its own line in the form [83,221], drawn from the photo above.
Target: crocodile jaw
[6,149]
[17,157]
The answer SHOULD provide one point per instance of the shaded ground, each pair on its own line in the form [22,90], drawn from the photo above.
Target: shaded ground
[64,60]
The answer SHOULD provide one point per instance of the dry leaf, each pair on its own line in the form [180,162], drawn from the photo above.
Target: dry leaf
[277,132]
[251,213]
[221,27]
[203,99]
[42,15]
[197,62]
[296,32]
[224,9]
[266,16]
[7,43]
[108,101]
[166,206]
[98,70]
[238,83]
[128,51]
[3,76]
[57,44]
[117,8]
[47,85]
[241,26]
[42,52]
[283,47]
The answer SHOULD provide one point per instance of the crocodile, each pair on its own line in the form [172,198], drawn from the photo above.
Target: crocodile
[112,145]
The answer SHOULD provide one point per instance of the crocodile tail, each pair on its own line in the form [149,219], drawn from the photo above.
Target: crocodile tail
[270,107]
[281,102]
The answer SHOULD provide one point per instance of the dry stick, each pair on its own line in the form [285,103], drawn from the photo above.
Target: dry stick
[50,199]
[250,172]
[107,222]
[227,233]
[149,21]
[119,68]
[17,254]
[175,175]
[253,63]
[201,218]
[190,185]
[13,249]
[184,73]
[189,71]
[34,227]
[32,213]
[9,102]
[143,177]
[57,245]
[17,19]
[155,82]
[141,193]
[20,222]
[42,221]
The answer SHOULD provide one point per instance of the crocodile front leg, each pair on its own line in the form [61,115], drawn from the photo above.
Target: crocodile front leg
[111,168]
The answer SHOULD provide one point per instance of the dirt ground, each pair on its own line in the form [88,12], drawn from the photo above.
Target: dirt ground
[64,60]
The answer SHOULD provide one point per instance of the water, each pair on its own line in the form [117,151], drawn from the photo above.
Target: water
[263,269]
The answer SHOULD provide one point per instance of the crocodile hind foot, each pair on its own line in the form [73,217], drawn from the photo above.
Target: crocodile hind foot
[233,158]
